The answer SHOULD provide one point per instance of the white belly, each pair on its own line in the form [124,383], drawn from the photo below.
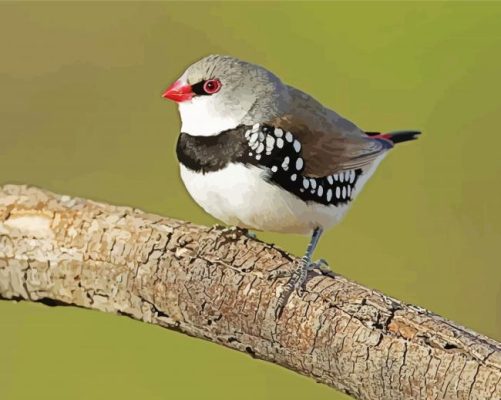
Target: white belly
[238,195]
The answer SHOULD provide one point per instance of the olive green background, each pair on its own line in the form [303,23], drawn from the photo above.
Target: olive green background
[81,114]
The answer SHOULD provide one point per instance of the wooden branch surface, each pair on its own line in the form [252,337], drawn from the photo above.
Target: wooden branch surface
[213,285]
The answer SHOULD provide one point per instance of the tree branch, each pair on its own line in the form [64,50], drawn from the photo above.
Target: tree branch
[213,284]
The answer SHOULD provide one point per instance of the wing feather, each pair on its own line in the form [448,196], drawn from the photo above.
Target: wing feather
[330,143]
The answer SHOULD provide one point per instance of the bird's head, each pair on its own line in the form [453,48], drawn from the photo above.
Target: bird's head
[218,93]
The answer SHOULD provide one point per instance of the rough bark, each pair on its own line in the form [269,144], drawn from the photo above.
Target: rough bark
[213,284]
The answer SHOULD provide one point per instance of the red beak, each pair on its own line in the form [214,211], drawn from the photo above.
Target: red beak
[178,92]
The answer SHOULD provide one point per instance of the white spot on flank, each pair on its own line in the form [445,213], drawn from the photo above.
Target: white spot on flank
[247,134]
[255,127]
[274,168]
[320,191]
[329,195]
[293,177]
[341,177]
[313,183]
[330,180]
[297,146]
[344,192]
[288,137]
[279,132]
[348,191]
[253,138]
[250,153]
[260,148]
[270,142]
[285,163]
[258,157]
[280,143]
[299,163]
[352,176]
[306,183]
[347,176]
[338,192]
[335,177]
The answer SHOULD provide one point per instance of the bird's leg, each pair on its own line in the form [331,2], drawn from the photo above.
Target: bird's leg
[299,275]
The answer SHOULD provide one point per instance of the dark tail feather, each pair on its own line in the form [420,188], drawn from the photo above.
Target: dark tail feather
[396,136]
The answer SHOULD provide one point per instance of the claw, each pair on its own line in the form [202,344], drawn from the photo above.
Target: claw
[295,284]
[278,273]
[298,277]
[320,265]
[297,280]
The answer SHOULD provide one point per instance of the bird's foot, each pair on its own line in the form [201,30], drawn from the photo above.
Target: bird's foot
[319,265]
[297,280]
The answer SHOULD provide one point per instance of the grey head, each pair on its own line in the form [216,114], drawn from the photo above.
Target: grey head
[219,92]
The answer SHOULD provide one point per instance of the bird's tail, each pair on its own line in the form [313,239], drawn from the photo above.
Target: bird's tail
[396,136]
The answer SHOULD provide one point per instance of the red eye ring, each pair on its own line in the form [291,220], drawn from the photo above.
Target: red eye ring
[212,86]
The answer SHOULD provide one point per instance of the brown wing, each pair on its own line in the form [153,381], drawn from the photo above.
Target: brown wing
[329,142]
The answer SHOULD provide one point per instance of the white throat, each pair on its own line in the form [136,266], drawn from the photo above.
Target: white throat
[199,118]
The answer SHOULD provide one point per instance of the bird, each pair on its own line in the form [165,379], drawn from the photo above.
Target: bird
[259,154]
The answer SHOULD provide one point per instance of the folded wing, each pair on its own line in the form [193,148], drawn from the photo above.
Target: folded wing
[330,143]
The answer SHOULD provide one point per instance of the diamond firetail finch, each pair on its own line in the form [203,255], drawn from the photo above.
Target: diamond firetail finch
[257,153]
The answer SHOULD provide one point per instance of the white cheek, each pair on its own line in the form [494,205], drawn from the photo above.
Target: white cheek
[200,118]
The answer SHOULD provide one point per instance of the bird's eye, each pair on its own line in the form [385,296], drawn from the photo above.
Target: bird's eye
[212,86]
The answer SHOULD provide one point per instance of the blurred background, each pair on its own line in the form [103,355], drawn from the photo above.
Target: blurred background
[81,114]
